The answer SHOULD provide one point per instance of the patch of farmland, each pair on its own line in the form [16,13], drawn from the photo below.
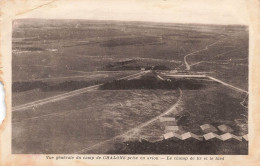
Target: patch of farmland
[130,41]
[32,90]
[57,60]
[86,119]
[215,105]
[19,98]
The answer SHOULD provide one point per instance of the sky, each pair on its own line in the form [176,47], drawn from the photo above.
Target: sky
[174,11]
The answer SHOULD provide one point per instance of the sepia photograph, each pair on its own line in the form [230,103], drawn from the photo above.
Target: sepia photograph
[134,82]
[86,86]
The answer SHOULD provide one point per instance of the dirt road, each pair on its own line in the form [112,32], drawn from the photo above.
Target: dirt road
[172,108]
[204,49]
[69,94]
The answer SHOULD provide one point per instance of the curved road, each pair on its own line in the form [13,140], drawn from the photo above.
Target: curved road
[204,49]
[172,108]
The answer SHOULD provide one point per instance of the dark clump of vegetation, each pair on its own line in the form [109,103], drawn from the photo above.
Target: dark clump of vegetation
[133,65]
[129,41]
[161,67]
[123,65]
[191,41]
[110,67]
[181,147]
[43,86]
[25,86]
[29,48]
[120,63]
[125,62]
[151,82]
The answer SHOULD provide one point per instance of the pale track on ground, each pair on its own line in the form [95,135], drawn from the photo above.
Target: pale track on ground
[228,85]
[69,94]
[172,108]
[204,49]
[60,78]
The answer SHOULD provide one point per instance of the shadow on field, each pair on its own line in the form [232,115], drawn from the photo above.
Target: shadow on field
[181,147]
[151,82]
[145,82]
[46,87]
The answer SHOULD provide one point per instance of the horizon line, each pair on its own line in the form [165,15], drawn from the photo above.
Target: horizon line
[137,21]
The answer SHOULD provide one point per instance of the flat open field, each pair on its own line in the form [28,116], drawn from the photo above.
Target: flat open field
[69,125]
[81,86]
[32,90]
[50,48]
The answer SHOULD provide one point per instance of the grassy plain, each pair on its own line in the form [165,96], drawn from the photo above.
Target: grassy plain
[85,120]
[52,57]
[57,48]
[32,90]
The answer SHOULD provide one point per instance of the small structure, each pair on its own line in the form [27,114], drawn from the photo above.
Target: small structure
[225,128]
[190,135]
[207,128]
[153,139]
[177,136]
[229,136]
[167,121]
[168,135]
[172,135]
[171,129]
[211,135]
[173,71]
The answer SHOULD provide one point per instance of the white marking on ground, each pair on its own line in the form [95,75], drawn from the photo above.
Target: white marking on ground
[244,100]
[179,75]
[68,94]
[208,62]
[157,60]
[78,76]
[216,61]
[218,55]
[192,53]
[228,85]
[159,77]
